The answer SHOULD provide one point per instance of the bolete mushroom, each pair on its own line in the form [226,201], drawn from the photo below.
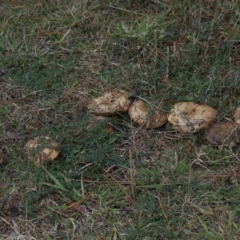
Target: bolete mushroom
[110,104]
[42,150]
[190,117]
[140,114]
[224,133]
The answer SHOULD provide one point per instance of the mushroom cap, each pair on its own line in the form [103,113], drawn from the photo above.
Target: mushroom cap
[139,113]
[45,155]
[110,104]
[42,149]
[190,117]
[224,133]
[236,116]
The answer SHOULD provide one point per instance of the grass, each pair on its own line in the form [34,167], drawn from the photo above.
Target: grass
[128,183]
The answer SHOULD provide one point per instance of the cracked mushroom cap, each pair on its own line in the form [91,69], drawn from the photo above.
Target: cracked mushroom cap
[139,113]
[224,133]
[42,149]
[236,116]
[190,117]
[110,104]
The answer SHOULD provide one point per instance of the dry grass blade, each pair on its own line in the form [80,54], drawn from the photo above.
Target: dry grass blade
[130,199]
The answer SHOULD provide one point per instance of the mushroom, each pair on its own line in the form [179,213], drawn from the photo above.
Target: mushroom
[224,133]
[140,114]
[236,116]
[190,117]
[42,150]
[110,104]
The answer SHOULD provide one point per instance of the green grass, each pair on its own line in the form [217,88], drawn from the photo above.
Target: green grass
[130,184]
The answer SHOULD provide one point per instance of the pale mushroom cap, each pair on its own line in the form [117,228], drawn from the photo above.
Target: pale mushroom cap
[45,155]
[190,117]
[236,116]
[224,133]
[139,113]
[33,143]
[110,104]
[41,149]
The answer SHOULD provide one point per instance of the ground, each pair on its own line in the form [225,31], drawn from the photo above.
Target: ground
[114,179]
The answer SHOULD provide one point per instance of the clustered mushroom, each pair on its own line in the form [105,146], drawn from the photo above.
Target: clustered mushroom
[185,117]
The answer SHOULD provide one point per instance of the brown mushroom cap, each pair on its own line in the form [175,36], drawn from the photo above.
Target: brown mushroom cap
[190,117]
[139,113]
[224,133]
[110,104]
[42,149]
[236,116]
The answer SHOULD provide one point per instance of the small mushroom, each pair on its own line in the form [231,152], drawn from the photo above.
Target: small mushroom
[190,117]
[110,104]
[224,133]
[236,116]
[42,149]
[140,114]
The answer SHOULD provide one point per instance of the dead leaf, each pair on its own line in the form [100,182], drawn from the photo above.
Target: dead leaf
[81,209]
[109,128]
